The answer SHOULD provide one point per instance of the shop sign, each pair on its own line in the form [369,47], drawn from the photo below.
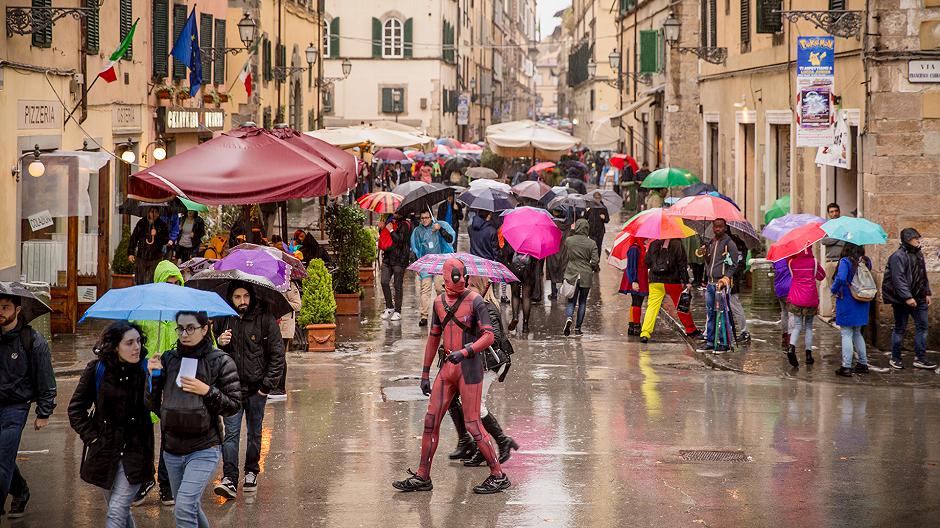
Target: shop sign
[40,220]
[193,119]
[38,114]
[923,71]
[125,118]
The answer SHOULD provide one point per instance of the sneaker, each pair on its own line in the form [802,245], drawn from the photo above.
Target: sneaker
[861,369]
[492,484]
[578,332]
[896,364]
[845,372]
[387,313]
[142,493]
[707,347]
[744,337]
[423,321]
[166,497]
[226,488]
[277,396]
[18,505]
[568,324]
[396,316]
[721,349]
[413,483]
[251,482]
[644,339]
[695,334]
[924,364]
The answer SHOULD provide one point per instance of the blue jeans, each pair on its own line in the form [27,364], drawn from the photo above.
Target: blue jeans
[12,420]
[579,297]
[711,319]
[189,476]
[253,411]
[852,340]
[119,499]
[802,323]
[919,314]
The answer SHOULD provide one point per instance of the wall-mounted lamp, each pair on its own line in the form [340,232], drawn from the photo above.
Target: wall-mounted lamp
[36,167]
[158,153]
[128,155]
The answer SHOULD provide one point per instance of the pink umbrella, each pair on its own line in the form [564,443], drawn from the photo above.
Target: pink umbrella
[390,154]
[538,167]
[443,150]
[531,232]
[705,207]
[471,146]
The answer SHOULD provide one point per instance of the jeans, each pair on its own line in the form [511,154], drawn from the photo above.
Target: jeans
[802,323]
[919,314]
[12,420]
[852,339]
[253,411]
[786,320]
[119,499]
[737,310]
[396,273]
[711,317]
[189,476]
[580,296]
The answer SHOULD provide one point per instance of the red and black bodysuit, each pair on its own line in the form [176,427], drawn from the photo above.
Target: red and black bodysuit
[461,323]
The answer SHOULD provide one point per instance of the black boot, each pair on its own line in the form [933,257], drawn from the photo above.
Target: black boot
[791,357]
[505,443]
[809,357]
[466,447]
[633,329]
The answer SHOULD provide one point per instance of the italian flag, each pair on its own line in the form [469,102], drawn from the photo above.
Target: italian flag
[245,74]
[108,73]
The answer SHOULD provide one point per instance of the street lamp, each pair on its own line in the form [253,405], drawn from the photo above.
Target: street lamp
[247,30]
[614,59]
[311,52]
[36,168]
[128,155]
[617,81]
[396,103]
[671,30]
[671,27]
[347,67]
[592,68]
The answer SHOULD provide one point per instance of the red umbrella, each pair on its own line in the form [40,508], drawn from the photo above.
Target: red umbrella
[341,165]
[242,166]
[796,241]
[619,160]
[390,154]
[541,166]
[705,207]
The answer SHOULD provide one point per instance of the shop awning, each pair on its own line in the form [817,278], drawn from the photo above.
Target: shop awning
[632,107]
[248,165]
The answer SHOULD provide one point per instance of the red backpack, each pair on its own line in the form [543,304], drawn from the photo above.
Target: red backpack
[385,239]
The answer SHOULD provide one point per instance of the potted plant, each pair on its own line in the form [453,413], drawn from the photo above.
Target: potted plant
[344,223]
[164,91]
[318,308]
[209,95]
[368,253]
[122,270]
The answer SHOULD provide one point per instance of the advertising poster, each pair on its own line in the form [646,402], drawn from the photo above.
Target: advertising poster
[815,81]
[839,152]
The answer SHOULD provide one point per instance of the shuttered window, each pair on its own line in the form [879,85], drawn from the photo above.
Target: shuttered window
[126,21]
[160,35]
[836,5]
[745,26]
[91,27]
[179,21]
[42,39]
[703,19]
[267,70]
[218,66]
[768,19]
[376,38]
[334,38]
[713,23]
[388,100]
[449,53]
[409,30]
[649,51]
[205,41]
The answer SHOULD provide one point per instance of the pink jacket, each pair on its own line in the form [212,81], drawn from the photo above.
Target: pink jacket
[805,271]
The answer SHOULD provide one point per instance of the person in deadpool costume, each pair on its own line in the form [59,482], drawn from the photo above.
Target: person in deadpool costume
[461,323]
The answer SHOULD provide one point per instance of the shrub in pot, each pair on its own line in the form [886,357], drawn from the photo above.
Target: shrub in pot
[318,308]
[344,224]
[368,253]
[122,270]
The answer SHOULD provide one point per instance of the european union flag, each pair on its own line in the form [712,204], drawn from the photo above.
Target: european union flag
[186,50]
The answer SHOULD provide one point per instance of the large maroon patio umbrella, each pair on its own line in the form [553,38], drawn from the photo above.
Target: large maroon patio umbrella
[340,164]
[247,165]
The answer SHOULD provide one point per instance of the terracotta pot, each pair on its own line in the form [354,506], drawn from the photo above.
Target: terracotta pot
[367,277]
[121,281]
[321,337]
[223,98]
[164,94]
[347,303]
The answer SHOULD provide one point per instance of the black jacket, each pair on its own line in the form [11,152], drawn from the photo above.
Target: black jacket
[677,271]
[199,230]
[26,376]
[257,349]
[597,217]
[483,240]
[399,254]
[119,429]
[905,277]
[139,246]
[189,422]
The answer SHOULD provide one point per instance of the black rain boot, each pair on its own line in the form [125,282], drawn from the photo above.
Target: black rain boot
[791,357]
[785,340]
[633,329]
[809,357]
[466,447]
[505,443]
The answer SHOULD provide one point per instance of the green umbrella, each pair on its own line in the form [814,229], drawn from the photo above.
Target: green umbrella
[193,206]
[777,209]
[669,177]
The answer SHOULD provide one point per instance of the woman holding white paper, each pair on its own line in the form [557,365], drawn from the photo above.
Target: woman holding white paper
[203,387]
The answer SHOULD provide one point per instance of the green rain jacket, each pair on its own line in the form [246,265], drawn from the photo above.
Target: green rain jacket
[161,335]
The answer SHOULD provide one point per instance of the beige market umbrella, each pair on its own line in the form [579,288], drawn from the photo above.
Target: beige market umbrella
[531,140]
[347,137]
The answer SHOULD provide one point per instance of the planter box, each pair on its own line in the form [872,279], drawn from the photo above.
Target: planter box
[367,277]
[321,337]
[121,281]
[347,303]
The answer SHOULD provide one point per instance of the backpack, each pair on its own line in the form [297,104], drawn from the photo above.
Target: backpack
[662,263]
[519,264]
[385,240]
[863,285]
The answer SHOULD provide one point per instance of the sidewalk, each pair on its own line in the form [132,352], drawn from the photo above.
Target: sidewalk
[764,355]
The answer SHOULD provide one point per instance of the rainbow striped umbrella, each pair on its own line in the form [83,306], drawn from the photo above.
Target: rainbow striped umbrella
[380,202]
[433,264]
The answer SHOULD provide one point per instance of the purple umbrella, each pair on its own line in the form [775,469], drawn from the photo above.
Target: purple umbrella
[786,223]
[260,263]
[390,154]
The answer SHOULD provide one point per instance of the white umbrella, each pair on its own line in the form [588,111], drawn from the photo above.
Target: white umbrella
[490,184]
[362,135]
[530,139]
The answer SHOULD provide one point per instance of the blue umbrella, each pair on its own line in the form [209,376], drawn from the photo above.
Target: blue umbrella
[156,302]
[858,231]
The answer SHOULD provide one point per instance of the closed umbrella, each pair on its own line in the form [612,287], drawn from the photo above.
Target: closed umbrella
[156,302]
[795,241]
[858,231]
[786,223]
[669,177]
[777,209]
[531,232]
[482,173]
[31,306]
[265,291]
[487,199]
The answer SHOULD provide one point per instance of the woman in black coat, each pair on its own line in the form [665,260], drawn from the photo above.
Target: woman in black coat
[118,433]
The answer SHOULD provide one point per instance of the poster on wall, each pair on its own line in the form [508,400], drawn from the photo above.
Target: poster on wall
[815,82]
[839,152]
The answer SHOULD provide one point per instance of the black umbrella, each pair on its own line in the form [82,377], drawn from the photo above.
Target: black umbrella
[741,229]
[218,281]
[698,188]
[575,184]
[574,165]
[423,198]
[487,199]
[457,164]
[31,306]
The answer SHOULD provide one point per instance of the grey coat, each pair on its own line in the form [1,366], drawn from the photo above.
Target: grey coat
[583,257]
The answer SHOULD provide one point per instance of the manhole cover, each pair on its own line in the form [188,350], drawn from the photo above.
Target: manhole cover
[703,455]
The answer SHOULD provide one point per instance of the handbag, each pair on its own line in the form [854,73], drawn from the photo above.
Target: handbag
[685,302]
[567,289]
[493,358]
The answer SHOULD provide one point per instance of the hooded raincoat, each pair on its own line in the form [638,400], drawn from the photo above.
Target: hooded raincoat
[161,335]
[583,257]
[426,241]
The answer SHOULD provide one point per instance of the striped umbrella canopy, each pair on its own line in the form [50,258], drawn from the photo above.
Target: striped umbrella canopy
[433,264]
[380,202]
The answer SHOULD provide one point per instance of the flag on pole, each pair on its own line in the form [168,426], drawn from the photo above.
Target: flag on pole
[245,75]
[186,50]
[108,73]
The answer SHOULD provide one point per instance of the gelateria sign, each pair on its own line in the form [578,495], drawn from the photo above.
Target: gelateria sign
[194,119]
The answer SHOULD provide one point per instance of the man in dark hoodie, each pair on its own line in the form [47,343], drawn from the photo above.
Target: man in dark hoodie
[906,289]
[483,239]
[145,248]
[253,339]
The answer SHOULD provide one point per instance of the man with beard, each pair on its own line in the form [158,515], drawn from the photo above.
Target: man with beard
[906,288]
[145,248]
[253,339]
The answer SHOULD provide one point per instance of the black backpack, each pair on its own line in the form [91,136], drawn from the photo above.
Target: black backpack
[662,260]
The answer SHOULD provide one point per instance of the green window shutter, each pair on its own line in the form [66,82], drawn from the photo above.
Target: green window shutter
[745,22]
[205,41]
[713,23]
[281,55]
[218,70]
[387,104]
[91,27]
[649,51]
[334,38]
[42,39]
[127,20]
[376,38]
[179,20]
[409,47]
[266,60]
[160,36]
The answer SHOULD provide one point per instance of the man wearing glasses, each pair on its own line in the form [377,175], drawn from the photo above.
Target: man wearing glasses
[430,237]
